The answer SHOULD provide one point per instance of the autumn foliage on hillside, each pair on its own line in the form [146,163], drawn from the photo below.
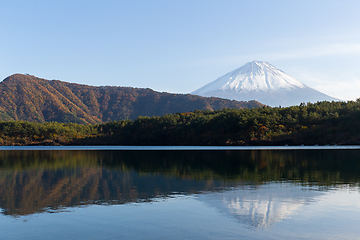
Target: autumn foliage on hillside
[28,98]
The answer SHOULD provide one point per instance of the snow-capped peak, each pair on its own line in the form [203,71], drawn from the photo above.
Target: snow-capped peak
[263,82]
[255,75]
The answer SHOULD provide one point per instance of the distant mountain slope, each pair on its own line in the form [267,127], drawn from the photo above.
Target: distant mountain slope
[28,98]
[263,82]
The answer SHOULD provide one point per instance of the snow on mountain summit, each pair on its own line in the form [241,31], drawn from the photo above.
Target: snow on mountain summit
[255,75]
[261,81]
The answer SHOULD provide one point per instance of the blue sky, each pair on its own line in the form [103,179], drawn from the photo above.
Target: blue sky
[179,46]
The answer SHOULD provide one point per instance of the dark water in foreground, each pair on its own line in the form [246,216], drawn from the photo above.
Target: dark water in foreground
[179,194]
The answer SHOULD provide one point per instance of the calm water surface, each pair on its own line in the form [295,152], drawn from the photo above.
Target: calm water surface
[274,193]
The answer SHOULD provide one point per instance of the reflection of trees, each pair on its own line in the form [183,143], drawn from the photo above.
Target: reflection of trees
[32,181]
[27,192]
[325,167]
[28,187]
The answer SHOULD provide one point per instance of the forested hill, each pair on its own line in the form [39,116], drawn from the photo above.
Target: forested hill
[319,123]
[28,98]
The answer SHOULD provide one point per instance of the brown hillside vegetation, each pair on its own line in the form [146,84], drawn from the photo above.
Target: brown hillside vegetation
[28,98]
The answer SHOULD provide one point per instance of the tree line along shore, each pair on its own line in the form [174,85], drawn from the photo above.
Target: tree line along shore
[312,123]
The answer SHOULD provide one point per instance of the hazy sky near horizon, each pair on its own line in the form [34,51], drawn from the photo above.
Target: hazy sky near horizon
[179,46]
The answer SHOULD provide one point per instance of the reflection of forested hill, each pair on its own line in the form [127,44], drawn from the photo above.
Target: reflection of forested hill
[31,181]
[27,192]
[28,98]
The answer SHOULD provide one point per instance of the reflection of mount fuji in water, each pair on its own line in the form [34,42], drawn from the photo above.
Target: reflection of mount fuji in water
[40,181]
[262,206]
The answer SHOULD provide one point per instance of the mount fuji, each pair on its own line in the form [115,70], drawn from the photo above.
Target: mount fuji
[261,81]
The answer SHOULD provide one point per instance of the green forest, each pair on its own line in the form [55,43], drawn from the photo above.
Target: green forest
[309,124]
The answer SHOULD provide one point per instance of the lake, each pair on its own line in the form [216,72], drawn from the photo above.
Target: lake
[180,192]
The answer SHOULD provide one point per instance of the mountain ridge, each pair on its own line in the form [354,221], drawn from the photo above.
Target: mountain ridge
[29,98]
